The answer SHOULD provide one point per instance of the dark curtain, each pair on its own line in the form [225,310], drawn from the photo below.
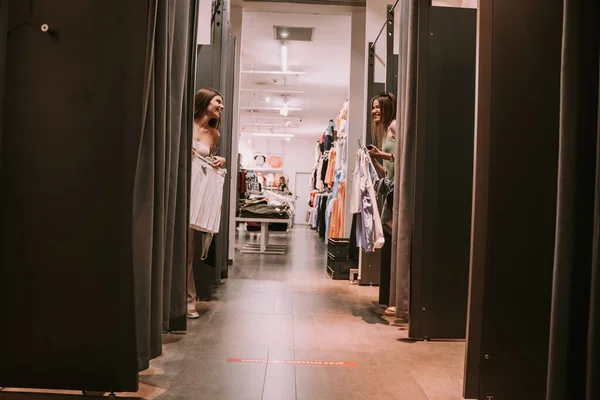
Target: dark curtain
[574,355]
[405,154]
[3,38]
[161,186]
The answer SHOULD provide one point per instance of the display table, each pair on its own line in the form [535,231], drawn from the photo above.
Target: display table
[264,247]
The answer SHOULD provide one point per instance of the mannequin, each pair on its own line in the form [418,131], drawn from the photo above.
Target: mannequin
[208,107]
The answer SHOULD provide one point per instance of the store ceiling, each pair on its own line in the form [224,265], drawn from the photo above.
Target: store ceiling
[359,3]
[319,91]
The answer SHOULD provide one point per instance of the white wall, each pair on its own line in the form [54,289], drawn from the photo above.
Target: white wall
[299,157]
[204,26]
[376,16]
[357,100]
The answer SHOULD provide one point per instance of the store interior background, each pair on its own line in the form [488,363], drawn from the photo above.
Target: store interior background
[485,318]
[317,96]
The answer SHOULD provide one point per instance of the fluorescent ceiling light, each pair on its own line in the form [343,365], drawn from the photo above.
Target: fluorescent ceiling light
[275,72]
[250,108]
[268,126]
[282,135]
[284,58]
[274,91]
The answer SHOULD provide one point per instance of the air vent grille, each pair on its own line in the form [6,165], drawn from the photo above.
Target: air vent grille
[289,33]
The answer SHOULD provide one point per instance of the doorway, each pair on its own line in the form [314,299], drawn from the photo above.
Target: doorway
[302,193]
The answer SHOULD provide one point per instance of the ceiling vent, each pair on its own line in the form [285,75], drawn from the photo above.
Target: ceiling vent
[289,33]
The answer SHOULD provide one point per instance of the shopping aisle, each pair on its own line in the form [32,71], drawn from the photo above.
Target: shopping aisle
[286,310]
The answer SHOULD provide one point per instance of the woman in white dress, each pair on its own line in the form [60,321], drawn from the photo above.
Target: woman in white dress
[208,107]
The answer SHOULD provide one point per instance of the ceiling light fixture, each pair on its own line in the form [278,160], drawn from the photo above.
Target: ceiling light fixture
[284,57]
[271,108]
[267,99]
[272,91]
[282,135]
[274,72]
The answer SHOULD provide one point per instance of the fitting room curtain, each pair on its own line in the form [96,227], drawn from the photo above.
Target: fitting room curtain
[574,355]
[161,186]
[3,38]
[405,154]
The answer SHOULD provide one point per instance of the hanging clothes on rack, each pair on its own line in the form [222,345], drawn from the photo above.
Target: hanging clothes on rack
[336,224]
[319,185]
[369,230]
[206,198]
[329,136]
[324,166]
[330,173]
[241,182]
[341,120]
[318,152]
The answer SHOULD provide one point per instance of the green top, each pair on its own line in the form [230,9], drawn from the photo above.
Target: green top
[389,146]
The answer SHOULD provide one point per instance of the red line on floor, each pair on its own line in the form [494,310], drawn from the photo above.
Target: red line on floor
[295,362]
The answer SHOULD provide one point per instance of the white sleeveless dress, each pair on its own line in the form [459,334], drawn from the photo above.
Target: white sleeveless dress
[206,191]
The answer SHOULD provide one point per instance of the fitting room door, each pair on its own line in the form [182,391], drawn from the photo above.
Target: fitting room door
[302,191]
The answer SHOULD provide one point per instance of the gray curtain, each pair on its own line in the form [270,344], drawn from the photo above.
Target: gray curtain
[405,154]
[161,186]
[574,355]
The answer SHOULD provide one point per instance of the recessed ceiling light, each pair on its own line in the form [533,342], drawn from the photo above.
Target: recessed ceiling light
[267,99]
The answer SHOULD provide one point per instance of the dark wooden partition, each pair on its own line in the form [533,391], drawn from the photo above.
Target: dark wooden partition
[71,133]
[215,69]
[3,39]
[515,190]
[444,170]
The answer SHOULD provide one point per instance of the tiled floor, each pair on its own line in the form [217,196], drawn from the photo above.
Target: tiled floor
[286,309]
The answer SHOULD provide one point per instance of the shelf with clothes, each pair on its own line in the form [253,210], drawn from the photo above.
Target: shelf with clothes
[268,204]
[254,181]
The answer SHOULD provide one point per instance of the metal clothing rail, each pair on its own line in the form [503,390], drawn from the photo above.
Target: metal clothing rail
[391,66]
[384,25]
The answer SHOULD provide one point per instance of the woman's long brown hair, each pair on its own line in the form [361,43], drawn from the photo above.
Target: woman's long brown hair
[387,111]
[202,99]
